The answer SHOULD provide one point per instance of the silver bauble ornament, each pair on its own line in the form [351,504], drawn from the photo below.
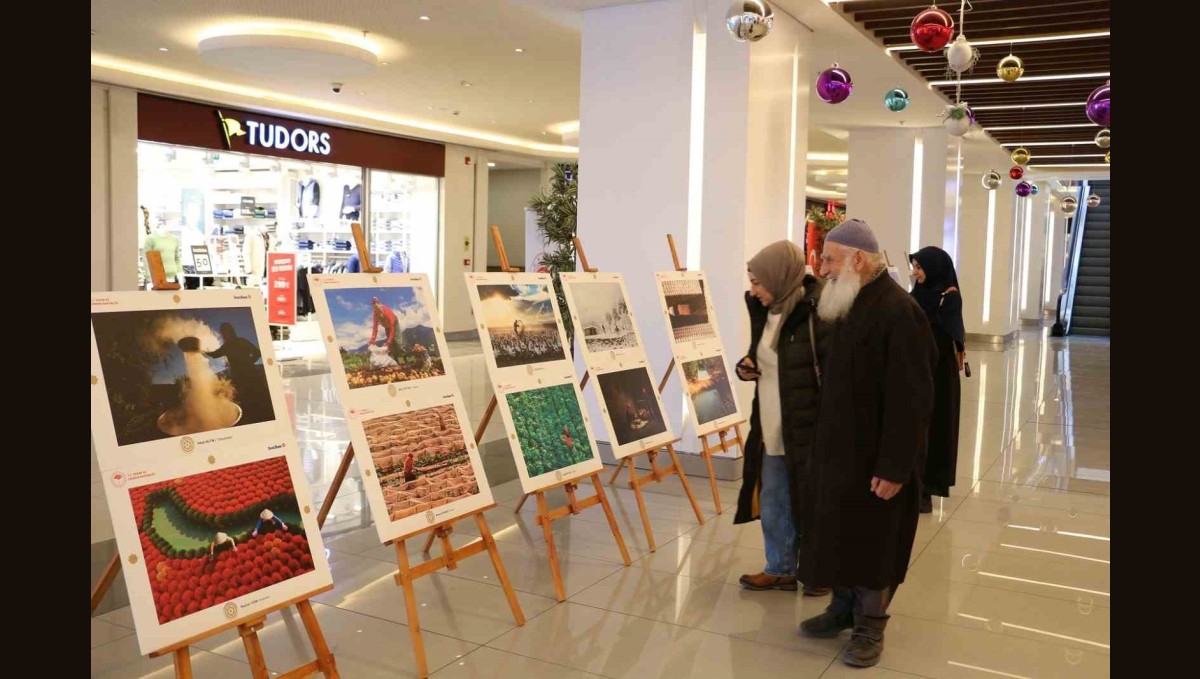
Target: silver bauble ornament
[1093,200]
[960,55]
[1102,139]
[1068,205]
[750,20]
[991,180]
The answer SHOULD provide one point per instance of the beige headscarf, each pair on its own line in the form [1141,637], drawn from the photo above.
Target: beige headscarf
[779,267]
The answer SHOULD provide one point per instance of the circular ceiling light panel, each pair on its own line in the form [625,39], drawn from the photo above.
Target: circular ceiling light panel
[276,53]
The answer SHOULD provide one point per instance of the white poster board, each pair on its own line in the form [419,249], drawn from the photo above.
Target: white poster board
[209,504]
[395,380]
[699,354]
[528,359]
[607,334]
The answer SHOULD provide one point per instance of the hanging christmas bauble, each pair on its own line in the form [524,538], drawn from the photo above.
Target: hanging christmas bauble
[896,100]
[932,29]
[1024,189]
[1068,205]
[1093,200]
[1020,156]
[1033,189]
[961,56]
[958,119]
[834,85]
[1010,68]
[991,180]
[1097,105]
[750,20]
[1102,138]
[1016,172]
[1106,155]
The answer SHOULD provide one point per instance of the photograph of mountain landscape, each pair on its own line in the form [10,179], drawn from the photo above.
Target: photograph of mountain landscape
[384,335]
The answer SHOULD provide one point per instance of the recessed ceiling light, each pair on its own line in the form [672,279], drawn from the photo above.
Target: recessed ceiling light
[464,83]
[520,50]
[491,165]
[430,108]
[424,18]
[531,101]
[545,133]
[163,49]
[385,63]
[93,31]
[362,92]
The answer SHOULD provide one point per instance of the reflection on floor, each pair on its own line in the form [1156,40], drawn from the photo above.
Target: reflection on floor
[1010,575]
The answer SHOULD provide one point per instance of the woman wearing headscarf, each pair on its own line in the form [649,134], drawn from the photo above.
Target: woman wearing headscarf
[936,290]
[787,341]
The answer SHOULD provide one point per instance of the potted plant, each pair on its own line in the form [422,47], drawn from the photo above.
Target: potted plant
[556,212]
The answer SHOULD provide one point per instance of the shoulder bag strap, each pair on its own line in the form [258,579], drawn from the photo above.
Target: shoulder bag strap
[812,342]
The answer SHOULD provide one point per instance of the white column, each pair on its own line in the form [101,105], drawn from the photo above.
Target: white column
[988,242]
[718,131]
[1033,256]
[116,220]
[459,241]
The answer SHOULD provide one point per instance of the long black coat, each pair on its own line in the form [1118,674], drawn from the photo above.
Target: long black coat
[873,421]
[798,394]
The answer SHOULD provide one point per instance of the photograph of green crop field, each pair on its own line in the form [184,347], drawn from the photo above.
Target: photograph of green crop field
[550,428]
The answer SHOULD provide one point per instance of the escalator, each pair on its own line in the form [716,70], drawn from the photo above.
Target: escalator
[1090,312]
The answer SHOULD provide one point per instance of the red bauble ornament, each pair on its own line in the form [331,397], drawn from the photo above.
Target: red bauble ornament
[1016,172]
[932,29]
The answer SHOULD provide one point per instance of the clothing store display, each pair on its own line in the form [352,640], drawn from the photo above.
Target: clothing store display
[354,265]
[308,197]
[398,262]
[304,301]
[351,202]
[167,245]
[254,254]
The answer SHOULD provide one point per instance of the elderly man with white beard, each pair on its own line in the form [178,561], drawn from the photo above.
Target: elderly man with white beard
[864,471]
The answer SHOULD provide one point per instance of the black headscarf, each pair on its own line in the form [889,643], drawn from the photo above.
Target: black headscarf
[940,276]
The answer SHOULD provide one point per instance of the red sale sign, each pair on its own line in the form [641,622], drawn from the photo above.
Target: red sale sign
[281,288]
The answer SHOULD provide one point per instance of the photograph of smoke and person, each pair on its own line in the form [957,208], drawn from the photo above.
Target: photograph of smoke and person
[182,371]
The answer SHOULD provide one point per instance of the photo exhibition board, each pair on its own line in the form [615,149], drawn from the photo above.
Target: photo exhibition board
[607,334]
[528,359]
[210,508]
[408,424]
[699,355]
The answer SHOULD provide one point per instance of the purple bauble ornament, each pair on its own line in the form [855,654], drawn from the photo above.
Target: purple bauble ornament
[833,85]
[1097,105]
[1024,189]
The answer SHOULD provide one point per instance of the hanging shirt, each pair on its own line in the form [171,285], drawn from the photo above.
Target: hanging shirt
[308,197]
[167,246]
[769,409]
[351,201]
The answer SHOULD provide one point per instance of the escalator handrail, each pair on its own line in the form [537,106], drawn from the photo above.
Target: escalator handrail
[1074,252]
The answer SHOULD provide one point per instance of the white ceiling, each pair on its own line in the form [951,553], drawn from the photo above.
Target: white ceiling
[419,90]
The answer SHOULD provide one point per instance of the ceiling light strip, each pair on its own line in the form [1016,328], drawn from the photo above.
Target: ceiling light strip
[1013,107]
[1051,143]
[1004,128]
[1014,41]
[1025,79]
[1072,165]
[99,61]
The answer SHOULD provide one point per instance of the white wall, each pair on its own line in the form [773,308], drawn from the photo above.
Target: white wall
[458,236]
[879,185]
[115,216]
[1033,257]
[936,181]
[972,264]
[509,191]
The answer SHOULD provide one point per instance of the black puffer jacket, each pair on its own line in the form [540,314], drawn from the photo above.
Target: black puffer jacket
[798,396]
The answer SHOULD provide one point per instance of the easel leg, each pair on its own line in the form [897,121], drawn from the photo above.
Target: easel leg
[501,573]
[338,478]
[548,533]
[687,487]
[254,654]
[429,542]
[317,639]
[637,493]
[612,520]
[106,581]
[410,604]
[712,478]
[183,663]
[521,503]
[616,473]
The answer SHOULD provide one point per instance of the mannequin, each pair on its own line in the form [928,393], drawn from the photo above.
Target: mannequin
[254,254]
[308,197]
[165,243]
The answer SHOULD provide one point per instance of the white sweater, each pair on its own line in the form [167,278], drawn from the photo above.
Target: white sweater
[769,409]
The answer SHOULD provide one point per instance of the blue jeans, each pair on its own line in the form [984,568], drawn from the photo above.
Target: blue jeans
[775,512]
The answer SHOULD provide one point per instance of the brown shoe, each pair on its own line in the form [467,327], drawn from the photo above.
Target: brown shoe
[762,581]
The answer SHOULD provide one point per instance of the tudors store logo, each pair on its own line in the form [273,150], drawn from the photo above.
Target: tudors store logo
[272,136]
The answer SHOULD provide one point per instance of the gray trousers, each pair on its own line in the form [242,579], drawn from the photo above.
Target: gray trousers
[872,603]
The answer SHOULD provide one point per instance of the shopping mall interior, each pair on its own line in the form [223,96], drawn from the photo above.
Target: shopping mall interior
[270,167]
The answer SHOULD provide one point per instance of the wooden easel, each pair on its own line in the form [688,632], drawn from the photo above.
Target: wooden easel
[726,440]
[657,474]
[547,516]
[364,253]
[407,574]
[247,627]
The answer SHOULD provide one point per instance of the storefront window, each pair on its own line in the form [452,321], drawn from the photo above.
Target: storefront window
[404,218]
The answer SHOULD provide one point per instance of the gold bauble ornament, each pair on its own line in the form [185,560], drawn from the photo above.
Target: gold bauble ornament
[1010,68]
[1106,156]
[1020,155]
[1103,139]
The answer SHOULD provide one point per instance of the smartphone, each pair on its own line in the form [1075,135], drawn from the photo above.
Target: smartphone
[967,368]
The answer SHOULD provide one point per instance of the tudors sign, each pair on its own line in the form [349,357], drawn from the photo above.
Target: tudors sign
[173,121]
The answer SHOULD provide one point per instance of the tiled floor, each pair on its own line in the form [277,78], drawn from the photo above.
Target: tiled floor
[1010,576]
